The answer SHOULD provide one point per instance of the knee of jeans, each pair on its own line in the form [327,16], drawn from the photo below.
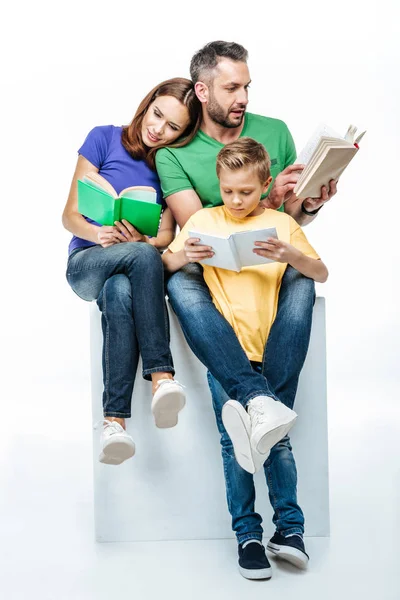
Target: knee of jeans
[147,253]
[116,294]
[189,290]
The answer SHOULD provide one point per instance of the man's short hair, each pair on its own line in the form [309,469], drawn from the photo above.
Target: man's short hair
[206,59]
[242,153]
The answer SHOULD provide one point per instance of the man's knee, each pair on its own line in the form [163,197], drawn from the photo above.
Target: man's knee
[187,288]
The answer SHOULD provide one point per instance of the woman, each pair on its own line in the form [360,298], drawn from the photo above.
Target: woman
[122,268]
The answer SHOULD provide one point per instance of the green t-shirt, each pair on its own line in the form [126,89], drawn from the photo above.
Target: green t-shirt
[193,166]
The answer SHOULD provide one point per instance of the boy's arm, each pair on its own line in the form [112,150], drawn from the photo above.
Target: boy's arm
[284,252]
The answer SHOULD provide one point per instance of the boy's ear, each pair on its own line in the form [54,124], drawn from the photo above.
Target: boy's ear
[201,90]
[267,183]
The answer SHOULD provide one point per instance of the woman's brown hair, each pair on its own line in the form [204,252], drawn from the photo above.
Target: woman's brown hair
[180,88]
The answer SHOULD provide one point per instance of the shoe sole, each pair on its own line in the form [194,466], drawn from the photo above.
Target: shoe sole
[274,436]
[116,452]
[235,425]
[167,407]
[292,555]
[256,573]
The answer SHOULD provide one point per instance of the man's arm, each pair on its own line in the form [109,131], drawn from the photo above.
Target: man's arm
[299,209]
[183,205]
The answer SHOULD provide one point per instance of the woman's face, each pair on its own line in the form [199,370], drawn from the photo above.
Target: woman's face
[165,120]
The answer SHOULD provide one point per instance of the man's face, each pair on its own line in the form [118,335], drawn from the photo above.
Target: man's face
[228,93]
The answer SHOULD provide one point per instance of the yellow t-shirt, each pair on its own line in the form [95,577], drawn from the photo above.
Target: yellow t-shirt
[249,299]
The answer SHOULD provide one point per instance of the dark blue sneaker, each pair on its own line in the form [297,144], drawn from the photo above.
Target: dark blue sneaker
[290,548]
[253,562]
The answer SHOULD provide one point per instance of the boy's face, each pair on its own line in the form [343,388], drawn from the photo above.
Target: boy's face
[241,192]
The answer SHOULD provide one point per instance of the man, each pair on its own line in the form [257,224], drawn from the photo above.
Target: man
[189,181]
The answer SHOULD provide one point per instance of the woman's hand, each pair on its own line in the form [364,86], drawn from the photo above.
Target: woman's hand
[108,236]
[195,252]
[128,232]
[277,250]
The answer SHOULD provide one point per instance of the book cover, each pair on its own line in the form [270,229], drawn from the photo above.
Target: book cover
[137,206]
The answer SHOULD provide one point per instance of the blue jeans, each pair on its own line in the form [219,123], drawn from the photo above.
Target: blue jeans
[231,375]
[128,282]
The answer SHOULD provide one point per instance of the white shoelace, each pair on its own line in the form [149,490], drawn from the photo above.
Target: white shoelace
[110,426]
[162,382]
[256,412]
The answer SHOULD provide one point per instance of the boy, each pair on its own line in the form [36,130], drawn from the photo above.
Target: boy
[248,300]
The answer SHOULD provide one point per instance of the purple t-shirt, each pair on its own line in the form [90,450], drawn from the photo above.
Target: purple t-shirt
[104,149]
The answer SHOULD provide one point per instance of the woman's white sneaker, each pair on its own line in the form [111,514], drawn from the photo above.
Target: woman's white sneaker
[169,398]
[116,444]
[270,422]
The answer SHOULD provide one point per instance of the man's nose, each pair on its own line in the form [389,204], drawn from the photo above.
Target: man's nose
[242,97]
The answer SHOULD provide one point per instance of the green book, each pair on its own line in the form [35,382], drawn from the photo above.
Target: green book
[98,200]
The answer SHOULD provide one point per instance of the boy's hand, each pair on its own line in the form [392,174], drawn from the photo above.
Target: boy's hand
[128,232]
[276,250]
[195,252]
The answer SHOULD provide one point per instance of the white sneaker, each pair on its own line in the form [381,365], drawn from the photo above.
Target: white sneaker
[270,422]
[168,400]
[116,444]
[238,425]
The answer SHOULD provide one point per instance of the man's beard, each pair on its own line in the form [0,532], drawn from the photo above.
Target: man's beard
[217,114]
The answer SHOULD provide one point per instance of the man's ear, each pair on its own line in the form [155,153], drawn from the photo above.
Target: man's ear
[201,90]
[266,184]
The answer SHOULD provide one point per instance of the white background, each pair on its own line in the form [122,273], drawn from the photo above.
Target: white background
[68,67]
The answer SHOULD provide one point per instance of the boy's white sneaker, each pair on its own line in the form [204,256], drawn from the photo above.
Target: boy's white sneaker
[270,422]
[237,423]
[168,400]
[116,444]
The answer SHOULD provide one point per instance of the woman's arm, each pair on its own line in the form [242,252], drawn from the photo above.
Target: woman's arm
[74,222]
[286,253]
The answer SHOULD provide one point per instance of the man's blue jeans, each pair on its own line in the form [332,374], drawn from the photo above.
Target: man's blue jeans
[231,375]
[128,282]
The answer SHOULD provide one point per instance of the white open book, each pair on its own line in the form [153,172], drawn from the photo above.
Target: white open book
[236,250]
[326,155]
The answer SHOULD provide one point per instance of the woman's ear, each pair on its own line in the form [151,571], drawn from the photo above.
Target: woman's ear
[201,90]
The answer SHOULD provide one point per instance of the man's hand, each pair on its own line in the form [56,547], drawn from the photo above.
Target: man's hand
[195,252]
[128,232]
[108,236]
[277,250]
[283,187]
[311,204]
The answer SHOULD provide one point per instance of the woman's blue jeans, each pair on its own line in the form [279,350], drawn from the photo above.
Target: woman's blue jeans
[127,280]
[231,375]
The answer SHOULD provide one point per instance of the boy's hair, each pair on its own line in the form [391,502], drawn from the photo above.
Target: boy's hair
[206,59]
[245,152]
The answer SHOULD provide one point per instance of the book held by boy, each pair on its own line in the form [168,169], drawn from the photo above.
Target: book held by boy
[98,200]
[326,155]
[235,251]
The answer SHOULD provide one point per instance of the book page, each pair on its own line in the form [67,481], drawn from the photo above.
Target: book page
[223,257]
[98,181]
[321,131]
[140,192]
[244,243]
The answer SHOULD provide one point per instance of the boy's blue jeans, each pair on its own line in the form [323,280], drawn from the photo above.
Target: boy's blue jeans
[128,282]
[231,375]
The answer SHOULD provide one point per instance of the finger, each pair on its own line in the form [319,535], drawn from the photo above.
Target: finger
[295,167]
[197,248]
[122,229]
[332,188]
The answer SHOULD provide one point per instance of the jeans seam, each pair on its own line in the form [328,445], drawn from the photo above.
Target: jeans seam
[272,491]
[106,355]
[253,395]
[117,414]
[165,368]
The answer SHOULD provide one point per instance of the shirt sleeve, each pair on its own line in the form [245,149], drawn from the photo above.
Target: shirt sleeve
[299,240]
[171,173]
[291,154]
[95,147]
[178,243]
